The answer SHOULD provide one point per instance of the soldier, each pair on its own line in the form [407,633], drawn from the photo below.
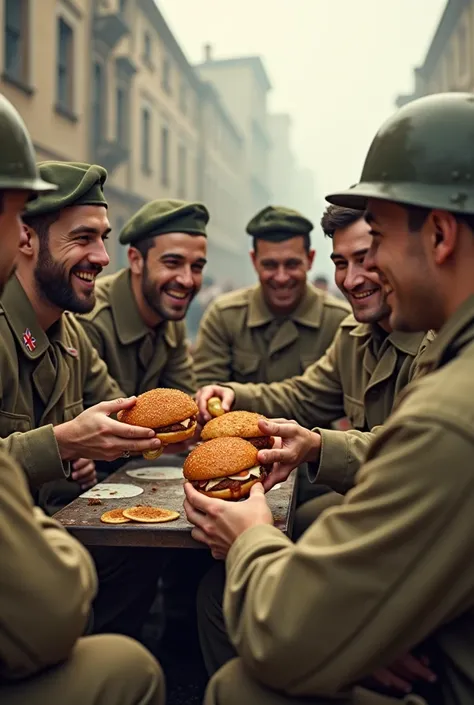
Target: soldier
[274,330]
[137,324]
[48,579]
[56,396]
[389,570]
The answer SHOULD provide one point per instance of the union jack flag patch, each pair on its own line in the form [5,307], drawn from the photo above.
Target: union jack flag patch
[29,340]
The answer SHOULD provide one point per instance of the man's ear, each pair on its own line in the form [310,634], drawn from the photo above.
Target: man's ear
[26,241]
[445,234]
[136,260]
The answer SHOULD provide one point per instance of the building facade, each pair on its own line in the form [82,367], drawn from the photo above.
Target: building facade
[105,81]
[449,61]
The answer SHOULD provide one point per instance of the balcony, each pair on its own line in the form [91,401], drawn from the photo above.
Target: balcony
[110,154]
[109,29]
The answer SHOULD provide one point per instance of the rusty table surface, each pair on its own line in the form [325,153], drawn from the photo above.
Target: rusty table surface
[83,520]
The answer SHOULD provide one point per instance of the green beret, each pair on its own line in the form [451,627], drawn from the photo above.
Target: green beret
[165,216]
[78,185]
[276,224]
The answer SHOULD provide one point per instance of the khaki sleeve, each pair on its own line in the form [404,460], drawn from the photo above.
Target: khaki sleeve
[364,583]
[38,454]
[178,372]
[342,453]
[213,349]
[47,582]
[314,398]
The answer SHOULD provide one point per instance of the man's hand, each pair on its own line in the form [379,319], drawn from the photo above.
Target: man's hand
[225,394]
[93,434]
[401,675]
[83,472]
[298,445]
[218,522]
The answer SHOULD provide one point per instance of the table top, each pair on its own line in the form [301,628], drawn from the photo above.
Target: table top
[83,520]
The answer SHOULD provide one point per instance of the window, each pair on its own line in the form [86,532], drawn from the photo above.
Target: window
[166,76]
[16,40]
[183,98]
[122,6]
[98,90]
[121,123]
[182,171]
[64,62]
[146,139]
[147,48]
[165,157]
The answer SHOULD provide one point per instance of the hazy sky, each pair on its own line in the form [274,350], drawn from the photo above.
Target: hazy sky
[335,65]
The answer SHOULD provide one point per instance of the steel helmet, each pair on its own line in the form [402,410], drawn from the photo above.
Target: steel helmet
[422,156]
[18,168]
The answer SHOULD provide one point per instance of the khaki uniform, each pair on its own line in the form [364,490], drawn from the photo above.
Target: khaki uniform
[46,590]
[359,377]
[240,340]
[45,381]
[139,358]
[387,570]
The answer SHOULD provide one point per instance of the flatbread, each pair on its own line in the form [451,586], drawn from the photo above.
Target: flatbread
[150,515]
[112,490]
[156,473]
[276,487]
[114,516]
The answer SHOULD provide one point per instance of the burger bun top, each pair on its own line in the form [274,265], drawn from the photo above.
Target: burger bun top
[219,457]
[243,424]
[159,407]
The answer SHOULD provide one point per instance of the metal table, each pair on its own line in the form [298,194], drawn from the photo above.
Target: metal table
[83,520]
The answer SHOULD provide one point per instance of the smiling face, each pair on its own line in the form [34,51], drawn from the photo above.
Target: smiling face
[282,269]
[170,274]
[70,256]
[362,288]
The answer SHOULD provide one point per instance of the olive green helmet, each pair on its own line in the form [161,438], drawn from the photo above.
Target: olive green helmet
[422,156]
[18,169]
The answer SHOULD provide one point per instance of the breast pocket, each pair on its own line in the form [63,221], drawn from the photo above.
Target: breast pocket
[355,412]
[13,423]
[245,366]
[72,410]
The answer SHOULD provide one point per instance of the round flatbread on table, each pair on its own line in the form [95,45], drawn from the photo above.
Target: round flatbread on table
[114,516]
[112,490]
[156,473]
[150,515]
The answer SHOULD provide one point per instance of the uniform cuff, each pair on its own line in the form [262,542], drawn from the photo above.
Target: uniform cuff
[243,399]
[40,457]
[254,542]
[335,463]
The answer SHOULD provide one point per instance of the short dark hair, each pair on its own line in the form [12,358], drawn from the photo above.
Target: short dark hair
[144,246]
[336,217]
[417,216]
[305,236]
[41,223]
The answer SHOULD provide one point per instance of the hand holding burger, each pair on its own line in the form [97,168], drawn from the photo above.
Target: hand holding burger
[169,412]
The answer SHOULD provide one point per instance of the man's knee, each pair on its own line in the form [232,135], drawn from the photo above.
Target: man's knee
[120,668]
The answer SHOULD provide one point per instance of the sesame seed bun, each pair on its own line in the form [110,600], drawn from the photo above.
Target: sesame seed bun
[243,424]
[219,457]
[159,407]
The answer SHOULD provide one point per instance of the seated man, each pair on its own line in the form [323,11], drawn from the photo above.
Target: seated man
[48,579]
[56,397]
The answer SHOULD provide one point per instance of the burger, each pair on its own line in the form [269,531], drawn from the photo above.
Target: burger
[225,468]
[169,412]
[241,424]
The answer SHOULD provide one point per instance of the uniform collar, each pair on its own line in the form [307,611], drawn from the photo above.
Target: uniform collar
[308,312]
[457,332]
[128,321]
[32,339]
[408,343]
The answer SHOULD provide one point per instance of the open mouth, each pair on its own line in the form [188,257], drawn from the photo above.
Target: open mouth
[85,276]
[178,295]
[364,294]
